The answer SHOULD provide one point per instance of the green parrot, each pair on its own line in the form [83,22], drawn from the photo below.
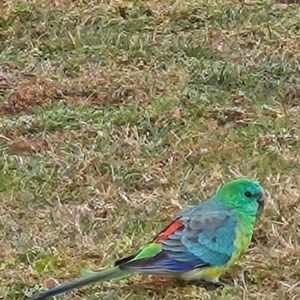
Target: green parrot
[199,244]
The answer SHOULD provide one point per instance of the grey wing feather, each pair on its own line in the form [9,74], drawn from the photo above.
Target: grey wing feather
[208,234]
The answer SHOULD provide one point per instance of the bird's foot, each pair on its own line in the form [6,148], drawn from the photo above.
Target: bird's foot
[208,285]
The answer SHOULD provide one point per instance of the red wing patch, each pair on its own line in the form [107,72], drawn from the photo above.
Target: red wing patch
[164,234]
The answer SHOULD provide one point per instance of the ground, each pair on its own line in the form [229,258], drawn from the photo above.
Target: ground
[115,114]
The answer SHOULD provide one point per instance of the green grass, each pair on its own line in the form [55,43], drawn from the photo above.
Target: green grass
[114,116]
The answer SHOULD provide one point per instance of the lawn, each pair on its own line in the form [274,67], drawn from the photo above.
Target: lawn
[116,114]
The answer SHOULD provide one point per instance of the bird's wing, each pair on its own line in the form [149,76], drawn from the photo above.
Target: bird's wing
[200,236]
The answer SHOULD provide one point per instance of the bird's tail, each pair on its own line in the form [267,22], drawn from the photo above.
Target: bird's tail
[88,277]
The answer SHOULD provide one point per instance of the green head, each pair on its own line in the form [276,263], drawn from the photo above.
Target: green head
[244,195]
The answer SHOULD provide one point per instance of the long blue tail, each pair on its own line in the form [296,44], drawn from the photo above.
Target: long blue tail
[93,277]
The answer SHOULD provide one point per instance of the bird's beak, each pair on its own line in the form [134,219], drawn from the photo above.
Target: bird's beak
[261,200]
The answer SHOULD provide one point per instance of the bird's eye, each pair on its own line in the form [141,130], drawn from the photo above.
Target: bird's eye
[248,194]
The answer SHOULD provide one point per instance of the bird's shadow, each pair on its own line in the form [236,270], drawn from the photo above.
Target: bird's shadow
[209,286]
[162,286]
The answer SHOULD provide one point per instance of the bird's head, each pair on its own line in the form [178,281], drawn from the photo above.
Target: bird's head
[243,194]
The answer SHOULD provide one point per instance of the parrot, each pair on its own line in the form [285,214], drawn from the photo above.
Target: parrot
[200,243]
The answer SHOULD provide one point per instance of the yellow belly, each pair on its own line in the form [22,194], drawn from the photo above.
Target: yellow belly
[210,274]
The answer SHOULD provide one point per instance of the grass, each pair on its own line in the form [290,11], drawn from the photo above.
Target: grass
[116,114]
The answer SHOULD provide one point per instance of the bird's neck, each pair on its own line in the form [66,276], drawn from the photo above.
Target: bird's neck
[247,219]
